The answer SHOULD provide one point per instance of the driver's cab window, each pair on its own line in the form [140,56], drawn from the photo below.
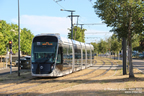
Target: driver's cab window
[59,56]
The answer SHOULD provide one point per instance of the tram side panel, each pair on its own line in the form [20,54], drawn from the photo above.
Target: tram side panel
[77,58]
[88,57]
[84,58]
[67,59]
[93,61]
[64,59]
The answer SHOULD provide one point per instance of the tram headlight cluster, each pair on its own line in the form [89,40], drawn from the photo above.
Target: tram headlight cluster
[32,66]
[52,66]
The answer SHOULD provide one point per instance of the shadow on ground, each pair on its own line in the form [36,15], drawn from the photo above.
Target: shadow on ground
[105,92]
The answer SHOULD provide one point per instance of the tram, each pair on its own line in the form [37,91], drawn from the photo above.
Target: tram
[54,56]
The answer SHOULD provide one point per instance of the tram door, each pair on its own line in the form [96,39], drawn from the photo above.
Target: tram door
[67,58]
[59,62]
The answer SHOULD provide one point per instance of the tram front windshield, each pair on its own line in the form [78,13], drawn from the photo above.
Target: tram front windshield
[44,50]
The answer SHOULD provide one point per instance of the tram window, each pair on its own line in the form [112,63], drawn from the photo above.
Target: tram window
[48,49]
[92,54]
[59,56]
[65,54]
[88,54]
[84,54]
[77,53]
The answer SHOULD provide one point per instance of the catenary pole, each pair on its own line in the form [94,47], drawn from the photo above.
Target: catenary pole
[18,40]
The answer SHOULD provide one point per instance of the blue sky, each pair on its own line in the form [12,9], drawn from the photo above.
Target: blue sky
[44,16]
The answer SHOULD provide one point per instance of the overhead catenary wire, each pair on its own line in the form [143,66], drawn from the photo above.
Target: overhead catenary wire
[96,32]
[58,3]
[87,24]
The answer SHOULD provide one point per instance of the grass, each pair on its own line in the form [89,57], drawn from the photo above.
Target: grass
[108,60]
[110,84]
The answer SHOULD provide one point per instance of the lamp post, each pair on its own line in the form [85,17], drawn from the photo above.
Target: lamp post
[71,21]
[18,40]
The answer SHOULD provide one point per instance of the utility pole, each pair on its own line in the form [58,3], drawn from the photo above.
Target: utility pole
[89,24]
[81,25]
[18,40]
[77,24]
[71,25]
[71,21]
[77,27]
[10,47]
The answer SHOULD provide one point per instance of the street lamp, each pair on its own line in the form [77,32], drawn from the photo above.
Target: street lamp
[71,21]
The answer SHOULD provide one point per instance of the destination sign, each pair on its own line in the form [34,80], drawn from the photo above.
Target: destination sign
[45,43]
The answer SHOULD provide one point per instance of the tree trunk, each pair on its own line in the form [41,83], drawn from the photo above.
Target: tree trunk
[130,60]
[131,75]
[118,55]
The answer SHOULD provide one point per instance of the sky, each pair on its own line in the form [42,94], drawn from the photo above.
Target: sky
[44,16]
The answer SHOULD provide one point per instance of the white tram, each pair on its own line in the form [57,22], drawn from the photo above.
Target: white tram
[53,56]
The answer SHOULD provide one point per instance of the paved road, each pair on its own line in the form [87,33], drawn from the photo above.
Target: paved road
[139,64]
[136,63]
[7,70]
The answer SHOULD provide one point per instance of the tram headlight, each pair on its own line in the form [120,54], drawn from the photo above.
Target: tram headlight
[52,66]
[32,66]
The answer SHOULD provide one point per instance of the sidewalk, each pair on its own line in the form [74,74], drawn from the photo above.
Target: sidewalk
[4,71]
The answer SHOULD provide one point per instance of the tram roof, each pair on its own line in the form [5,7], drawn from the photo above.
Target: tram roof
[66,40]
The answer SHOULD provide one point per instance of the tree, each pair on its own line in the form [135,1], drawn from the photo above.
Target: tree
[102,46]
[14,34]
[10,32]
[126,18]
[95,45]
[78,34]
[26,40]
[115,44]
[2,45]
[136,42]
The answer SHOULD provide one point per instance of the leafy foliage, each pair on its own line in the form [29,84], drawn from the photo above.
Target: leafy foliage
[26,40]
[126,18]
[112,44]
[102,46]
[116,44]
[78,34]
[96,49]
[117,13]
[10,32]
